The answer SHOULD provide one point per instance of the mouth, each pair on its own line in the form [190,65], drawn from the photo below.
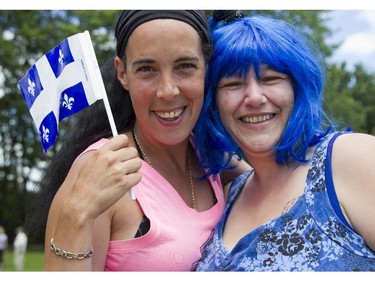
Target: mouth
[257,119]
[169,115]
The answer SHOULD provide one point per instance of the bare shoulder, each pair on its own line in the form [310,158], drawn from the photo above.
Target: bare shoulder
[359,138]
[352,148]
[353,160]
[353,172]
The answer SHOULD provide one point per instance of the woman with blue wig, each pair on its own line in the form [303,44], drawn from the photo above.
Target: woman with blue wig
[308,202]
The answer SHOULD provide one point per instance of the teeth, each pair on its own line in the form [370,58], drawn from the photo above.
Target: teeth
[257,119]
[169,115]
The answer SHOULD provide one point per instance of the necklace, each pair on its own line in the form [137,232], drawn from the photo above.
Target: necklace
[144,155]
[191,182]
[140,148]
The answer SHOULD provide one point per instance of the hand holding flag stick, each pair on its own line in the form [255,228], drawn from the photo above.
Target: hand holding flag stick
[64,81]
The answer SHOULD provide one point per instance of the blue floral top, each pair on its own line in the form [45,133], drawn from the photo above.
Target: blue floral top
[312,236]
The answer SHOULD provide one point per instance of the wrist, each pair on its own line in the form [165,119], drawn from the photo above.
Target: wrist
[70,255]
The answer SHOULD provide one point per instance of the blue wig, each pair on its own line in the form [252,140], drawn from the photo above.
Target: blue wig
[249,42]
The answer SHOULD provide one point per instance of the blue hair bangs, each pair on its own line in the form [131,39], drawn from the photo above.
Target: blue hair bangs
[247,43]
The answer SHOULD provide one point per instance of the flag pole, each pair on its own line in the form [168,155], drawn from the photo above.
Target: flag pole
[98,80]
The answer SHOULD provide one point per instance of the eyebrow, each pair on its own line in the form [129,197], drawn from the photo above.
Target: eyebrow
[180,59]
[187,58]
[143,61]
[265,67]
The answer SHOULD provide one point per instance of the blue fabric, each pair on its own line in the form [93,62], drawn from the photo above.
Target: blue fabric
[309,237]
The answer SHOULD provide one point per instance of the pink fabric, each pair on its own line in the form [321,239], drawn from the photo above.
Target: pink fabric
[96,145]
[176,234]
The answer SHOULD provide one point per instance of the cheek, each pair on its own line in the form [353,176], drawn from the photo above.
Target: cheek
[141,91]
[227,102]
[282,97]
[226,106]
[287,101]
[192,89]
[140,96]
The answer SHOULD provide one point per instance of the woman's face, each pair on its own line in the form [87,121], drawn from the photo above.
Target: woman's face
[255,112]
[164,75]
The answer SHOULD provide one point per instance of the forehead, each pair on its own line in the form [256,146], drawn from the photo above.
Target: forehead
[165,28]
[163,36]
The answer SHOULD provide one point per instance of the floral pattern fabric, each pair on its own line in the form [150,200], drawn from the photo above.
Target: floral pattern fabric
[309,237]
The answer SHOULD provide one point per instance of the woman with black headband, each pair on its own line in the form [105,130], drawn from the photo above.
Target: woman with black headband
[155,85]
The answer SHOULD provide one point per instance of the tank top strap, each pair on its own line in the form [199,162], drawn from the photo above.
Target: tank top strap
[327,214]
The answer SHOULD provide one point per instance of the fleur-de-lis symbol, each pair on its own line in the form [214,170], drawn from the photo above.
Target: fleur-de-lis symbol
[68,102]
[31,88]
[61,57]
[45,134]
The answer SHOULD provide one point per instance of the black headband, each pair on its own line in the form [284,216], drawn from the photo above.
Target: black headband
[129,20]
[227,15]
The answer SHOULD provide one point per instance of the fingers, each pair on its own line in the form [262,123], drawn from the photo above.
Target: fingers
[119,162]
[120,145]
[107,176]
[116,143]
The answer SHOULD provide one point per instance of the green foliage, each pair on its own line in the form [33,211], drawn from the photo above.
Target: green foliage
[27,35]
[34,260]
[349,98]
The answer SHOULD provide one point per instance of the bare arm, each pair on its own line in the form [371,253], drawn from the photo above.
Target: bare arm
[353,168]
[96,181]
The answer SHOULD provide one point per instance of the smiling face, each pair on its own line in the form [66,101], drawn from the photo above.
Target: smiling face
[164,75]
[255,111]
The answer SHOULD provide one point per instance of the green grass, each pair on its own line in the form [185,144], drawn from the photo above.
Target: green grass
[34,260]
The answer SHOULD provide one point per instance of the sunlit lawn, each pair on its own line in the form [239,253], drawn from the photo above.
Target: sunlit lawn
[33,261]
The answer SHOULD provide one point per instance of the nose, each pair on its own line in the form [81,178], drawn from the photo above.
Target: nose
[167,88]
[254,94]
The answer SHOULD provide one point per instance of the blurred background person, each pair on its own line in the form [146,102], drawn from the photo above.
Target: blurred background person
[3,246]
[20,246]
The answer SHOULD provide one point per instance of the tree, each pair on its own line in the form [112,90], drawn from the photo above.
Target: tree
[26,36]
[363,90]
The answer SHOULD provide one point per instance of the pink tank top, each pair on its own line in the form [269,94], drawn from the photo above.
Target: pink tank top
[177,232]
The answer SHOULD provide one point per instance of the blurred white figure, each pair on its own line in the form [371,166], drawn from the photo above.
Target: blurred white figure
[20,246]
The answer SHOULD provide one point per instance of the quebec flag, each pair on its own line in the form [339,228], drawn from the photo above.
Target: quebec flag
[64,81]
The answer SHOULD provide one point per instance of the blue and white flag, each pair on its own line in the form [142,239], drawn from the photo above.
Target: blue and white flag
[64,81]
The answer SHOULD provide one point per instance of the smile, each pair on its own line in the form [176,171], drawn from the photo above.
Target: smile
[257,119]
[171,115]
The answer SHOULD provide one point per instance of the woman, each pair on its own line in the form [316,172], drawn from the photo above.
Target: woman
[308,203]
[156,99]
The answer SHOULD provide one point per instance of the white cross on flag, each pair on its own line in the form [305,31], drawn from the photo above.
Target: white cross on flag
[64,81]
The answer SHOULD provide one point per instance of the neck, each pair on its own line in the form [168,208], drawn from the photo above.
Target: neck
[187,167]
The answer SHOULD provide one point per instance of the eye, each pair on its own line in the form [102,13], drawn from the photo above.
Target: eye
[272,77]
[186,69]
[144,68]
[186,66]
[230,83]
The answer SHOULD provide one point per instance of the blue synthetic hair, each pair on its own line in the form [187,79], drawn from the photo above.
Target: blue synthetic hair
[249,42]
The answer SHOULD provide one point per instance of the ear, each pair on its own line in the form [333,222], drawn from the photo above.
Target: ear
[121,74]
